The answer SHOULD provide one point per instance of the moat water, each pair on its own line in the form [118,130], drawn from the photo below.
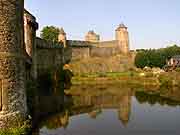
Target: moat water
[113,110]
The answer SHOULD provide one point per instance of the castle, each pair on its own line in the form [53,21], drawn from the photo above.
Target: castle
[93,47]
[24,56]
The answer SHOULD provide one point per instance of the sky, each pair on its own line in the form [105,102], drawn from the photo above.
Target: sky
[151,23]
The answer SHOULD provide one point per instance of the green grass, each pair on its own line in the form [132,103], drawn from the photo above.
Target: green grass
[22,129]
[14,131]
[109,77]
[108,74]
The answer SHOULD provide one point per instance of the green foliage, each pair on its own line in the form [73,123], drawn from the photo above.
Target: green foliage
[15,131]
[50,33]
[154,98]
[165,80]
[102,74]
[155,57]
[177,69]
[20,130]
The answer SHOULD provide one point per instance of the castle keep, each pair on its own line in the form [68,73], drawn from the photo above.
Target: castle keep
[92,46]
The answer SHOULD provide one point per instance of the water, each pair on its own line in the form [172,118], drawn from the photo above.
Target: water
[110,110]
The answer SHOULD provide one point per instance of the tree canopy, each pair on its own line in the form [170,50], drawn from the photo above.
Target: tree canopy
[155,57]
[50,33]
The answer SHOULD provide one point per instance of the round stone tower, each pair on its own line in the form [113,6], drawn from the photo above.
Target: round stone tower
[13,106]
[122,37]
[62,37]
[91,36]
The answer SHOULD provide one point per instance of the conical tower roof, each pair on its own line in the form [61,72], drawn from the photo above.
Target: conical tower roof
[91,32]
[121,26]
[61,31]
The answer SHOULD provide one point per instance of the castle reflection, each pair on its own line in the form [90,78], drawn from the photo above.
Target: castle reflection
[92,103]
[93,100]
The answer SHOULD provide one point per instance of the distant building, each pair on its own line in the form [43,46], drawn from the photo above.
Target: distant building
[174,61]
[92,46]
[92,37]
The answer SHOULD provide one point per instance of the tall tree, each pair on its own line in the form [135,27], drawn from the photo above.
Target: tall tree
[50,33]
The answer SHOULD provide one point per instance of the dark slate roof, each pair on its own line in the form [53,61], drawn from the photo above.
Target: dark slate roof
[29,14]
[78,43]
[31,19]
[121,26]
[91,32]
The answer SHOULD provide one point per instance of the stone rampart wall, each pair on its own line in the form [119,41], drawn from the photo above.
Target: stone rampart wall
[48,55]
[103,51]
[80,53]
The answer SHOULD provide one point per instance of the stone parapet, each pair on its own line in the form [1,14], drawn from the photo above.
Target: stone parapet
[41,43]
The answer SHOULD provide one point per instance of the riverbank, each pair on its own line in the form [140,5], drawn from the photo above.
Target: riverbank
[19,130]
[141,78]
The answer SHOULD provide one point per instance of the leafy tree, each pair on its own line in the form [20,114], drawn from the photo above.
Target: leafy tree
[50,33]
[155,57]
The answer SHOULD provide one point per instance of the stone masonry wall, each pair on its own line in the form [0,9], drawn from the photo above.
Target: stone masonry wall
[80,53]
[48,55]
[12,67]
[30,27]
[103,51]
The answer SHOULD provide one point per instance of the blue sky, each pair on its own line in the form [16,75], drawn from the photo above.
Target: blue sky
[151,23]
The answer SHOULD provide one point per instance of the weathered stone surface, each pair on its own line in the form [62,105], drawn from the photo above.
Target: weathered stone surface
[12,67]
[30,27]
[49,56]
[122,36]
[91,36]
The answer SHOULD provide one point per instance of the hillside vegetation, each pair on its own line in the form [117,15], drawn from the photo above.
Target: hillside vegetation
[155,57]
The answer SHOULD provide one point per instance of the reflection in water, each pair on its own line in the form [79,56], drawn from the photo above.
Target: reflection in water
[86,103]
[154,98]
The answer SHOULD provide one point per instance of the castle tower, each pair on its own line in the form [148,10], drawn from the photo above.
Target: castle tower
[125,109]
[91,36]
[122,37]
[30,27]
[62,37]
[13,106]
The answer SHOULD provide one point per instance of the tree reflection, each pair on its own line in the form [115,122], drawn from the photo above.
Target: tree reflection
[92,100]
[154,98]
